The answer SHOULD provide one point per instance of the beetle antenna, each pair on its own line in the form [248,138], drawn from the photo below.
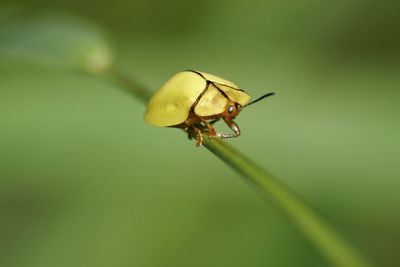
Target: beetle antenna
[260,98]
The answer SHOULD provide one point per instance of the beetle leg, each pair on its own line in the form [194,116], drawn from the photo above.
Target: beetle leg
[194,132]
[235,128]
[199,136]
[211,130]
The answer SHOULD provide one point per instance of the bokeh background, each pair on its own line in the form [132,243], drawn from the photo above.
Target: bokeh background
[85,182]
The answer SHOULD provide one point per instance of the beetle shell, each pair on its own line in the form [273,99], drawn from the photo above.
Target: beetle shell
[204,94]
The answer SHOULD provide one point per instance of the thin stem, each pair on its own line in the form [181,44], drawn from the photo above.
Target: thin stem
[309,223]
[324,238]
[127,84]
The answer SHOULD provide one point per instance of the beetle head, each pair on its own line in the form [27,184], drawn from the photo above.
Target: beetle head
[232,110]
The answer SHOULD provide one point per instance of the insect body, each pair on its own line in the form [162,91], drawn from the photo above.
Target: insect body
[194,100]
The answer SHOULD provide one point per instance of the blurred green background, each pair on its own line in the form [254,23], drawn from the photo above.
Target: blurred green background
[85,182]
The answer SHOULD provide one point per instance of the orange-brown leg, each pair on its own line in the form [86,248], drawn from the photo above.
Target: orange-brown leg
[211,130]
[193,131]
[235,128]
[199,135]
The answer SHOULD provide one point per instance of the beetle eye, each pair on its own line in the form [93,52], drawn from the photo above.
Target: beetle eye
[230,109]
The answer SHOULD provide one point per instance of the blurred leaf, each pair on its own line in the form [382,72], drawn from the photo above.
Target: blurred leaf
[55,39]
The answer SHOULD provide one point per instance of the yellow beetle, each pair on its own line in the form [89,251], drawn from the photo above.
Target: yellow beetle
[194,100]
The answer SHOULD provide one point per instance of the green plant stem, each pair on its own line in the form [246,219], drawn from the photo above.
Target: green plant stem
[336,249]
[316,230]
[128,84]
